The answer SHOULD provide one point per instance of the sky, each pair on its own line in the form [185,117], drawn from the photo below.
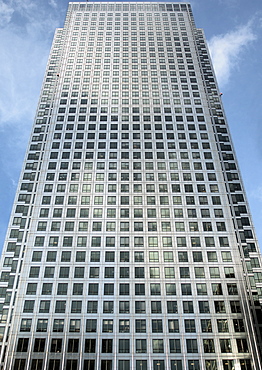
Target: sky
[233,29]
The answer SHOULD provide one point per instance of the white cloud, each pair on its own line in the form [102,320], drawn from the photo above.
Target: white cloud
[21,66]
[6,12]
[53,3]
[25,38]
[226,50]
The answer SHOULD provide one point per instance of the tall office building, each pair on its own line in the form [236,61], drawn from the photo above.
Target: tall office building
[130,243]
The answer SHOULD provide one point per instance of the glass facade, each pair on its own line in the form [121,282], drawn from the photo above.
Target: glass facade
[130,243]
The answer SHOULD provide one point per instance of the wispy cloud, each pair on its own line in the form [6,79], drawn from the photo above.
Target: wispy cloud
[6,12]
[26,29]
[53,3]
[226,50]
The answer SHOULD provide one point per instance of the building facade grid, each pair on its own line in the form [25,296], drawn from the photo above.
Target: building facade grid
[130,243]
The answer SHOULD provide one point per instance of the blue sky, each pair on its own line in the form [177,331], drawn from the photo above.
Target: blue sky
[234,31]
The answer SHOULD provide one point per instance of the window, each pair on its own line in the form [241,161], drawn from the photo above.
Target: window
[220,307]
[80,256]
[168,257]
[39,241]
[190,326]
[28,306]
[139,256]
[232,289]
[124,307]
[156,307]
[154,272]
[124,257]
[108,307]
[74,325]
[77,288]
[107,345]
[191,345]
[106,365]
[71,364]
[91,325]
[76,307]
[107,326]
[66,256]
[188,307]
[19,364]
[124,326]
[62,288]
[225,345]
[174,346]
[95,256]
[60,306]
[140,306]
[206,326]
[226,256]
[123,365]
[186,289]
[235,306]
[199,272]
[214,272]
[211,364]
[209,346]
[49,272]
[108,289]
[176,364]
[93,289]
[41,226]
[73,345]
[68,240]
[141,365]
[169,272]
[123,289]
[22,344]
[140,325]
[90,345]
[191,212]
[44,306]
[58,325]
[158,365]
[41,325]
[217,288]
[229,272]
[222,325]
[123,346]
[221,226]
[244,363]
[141,346]
[92,307]
[64,272]
[171,306]
[203,306]
[56,345]
[197,257]
[158,345]
[139,272]
[184,272]
[37,256]
[238,325]
[179,226]
[157,326]
[109,272]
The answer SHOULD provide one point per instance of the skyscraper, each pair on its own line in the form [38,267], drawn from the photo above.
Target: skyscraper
[130,243]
